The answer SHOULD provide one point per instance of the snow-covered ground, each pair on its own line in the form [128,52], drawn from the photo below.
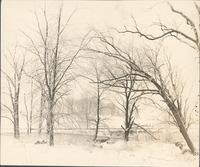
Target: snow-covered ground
[72,149]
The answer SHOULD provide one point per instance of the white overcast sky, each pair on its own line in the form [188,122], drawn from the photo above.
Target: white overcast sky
[18,15]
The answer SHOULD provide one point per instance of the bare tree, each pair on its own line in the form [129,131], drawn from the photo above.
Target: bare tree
[173,83]
[145,67]
[29,112]
[41,110]
[95,80]
[131,90]
[191,38]
[56,63]
[99,94]
[128,104]
[37,76]
[14,85]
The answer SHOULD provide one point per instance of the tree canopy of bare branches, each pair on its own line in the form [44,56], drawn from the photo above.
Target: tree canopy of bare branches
[95,78]
[191,39]
[145,65]
[129,89]
[55,62]
[14,85]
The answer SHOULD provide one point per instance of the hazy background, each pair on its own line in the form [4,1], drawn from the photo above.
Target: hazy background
[18,15]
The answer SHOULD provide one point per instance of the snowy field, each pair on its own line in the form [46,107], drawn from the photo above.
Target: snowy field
[72,149]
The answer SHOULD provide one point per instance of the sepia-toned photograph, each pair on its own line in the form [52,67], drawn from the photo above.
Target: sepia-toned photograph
[100,83]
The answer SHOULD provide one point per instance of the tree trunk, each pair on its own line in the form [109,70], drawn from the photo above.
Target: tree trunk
[40,122]
[51,130]
[126,130]
[16,124]
[30,126]
[87,121]
[31,120]
[126,135]
[179,122]
[97,129]
[183,131]
[31,109]
[47,123]
[86,114]
[174,109]
[98,111]
[97,121]
[27,125]
[51,123]
[42,103]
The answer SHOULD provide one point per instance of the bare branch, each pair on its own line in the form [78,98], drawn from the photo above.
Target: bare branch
[8,119]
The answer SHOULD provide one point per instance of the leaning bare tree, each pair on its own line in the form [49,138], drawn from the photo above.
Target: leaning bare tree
[146,67]
[14,85]
[177,89]
[56,62]
[190,38]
